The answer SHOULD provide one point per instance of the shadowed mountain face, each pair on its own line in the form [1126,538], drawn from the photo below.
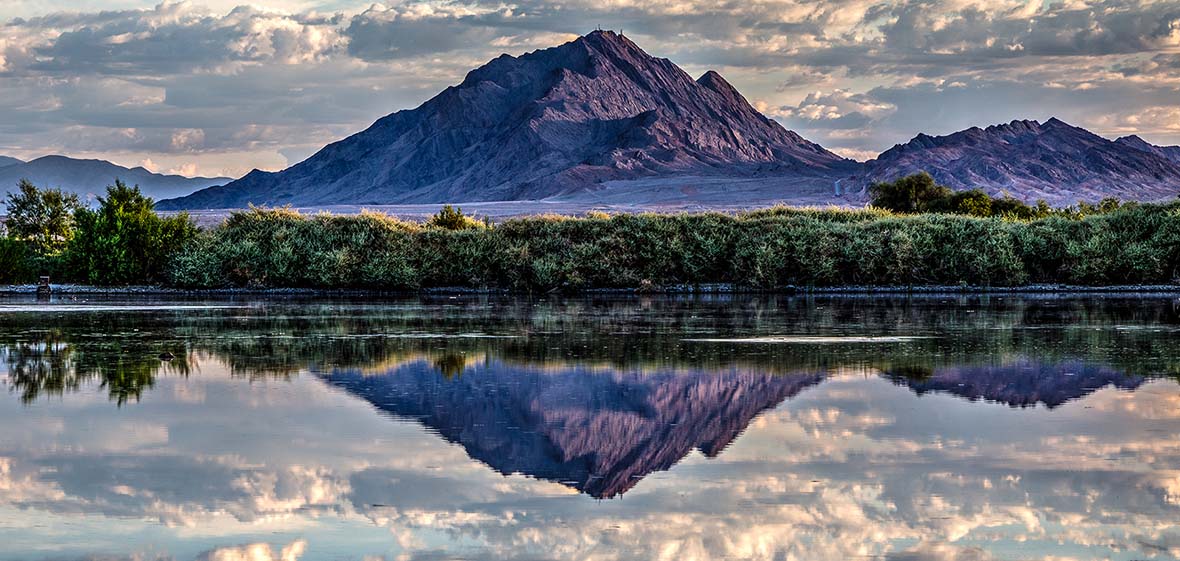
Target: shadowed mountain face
[597,432]
[1030,160]
[602,432]
[1020,384]
[89,178]
[1169,152]
[552,122]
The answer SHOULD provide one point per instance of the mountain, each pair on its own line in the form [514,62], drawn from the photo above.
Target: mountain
[598,432]
[1030,160]
[1169,152]
[552,122]
[1021,383]
[91,177]
[6,161]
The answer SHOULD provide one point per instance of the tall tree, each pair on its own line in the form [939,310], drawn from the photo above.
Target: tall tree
[42,217]
[124,241]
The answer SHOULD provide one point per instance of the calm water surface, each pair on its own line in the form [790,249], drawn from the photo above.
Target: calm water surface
[933,428]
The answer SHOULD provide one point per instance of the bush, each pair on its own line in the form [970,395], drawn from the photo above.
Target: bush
[920,194]
[914,193]
[283,248]
[765,249]
[14,262]
[451,218]
[125,241]
[41,217]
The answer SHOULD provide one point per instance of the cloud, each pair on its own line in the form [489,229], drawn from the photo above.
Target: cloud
[851,467]
[256,552]
[839,109]
[271,85]
[172,37]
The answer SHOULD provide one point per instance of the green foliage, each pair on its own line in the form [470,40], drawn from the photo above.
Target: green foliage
[14,261]
[919,194]
[964,238]
[765,249]
[283,248]
[452,218]
[910,194]
[124,241]
[43,218]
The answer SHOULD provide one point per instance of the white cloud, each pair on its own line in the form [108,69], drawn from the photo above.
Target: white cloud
[281,79]
[256,552]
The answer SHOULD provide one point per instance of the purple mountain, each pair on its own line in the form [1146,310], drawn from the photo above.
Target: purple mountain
[1022,383]
[1170,152]
[90,178]
[598,432]
[552,122]
[1030,160]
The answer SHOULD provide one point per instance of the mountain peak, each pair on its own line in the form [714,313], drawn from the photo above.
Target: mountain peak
[1054,161]
[1171,153]
[609,37]
[715,82]
[552,122]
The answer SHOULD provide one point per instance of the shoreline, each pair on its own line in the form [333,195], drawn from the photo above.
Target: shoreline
[710,289]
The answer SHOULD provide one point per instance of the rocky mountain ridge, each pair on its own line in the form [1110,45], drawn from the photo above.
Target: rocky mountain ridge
[1031,160]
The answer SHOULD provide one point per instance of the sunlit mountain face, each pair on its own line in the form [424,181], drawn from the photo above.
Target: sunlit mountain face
[748,427]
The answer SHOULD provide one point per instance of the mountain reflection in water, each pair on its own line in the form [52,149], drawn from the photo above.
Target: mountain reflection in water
[932,429]
[597,431]
[600,430]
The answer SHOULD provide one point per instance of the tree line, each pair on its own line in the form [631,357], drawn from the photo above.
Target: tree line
[122,241]
[915,232]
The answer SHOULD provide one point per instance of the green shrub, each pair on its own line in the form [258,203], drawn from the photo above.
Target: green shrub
[765,249]
[124,241]
[451,218]
[913,193]
[14,261]
[41,217]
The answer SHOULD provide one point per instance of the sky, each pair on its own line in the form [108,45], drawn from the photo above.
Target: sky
[219,87]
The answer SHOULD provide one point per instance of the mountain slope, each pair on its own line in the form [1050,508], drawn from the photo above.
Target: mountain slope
[598,432]
[6,161]
[551,122]
[1169,152]
[1030,160]
[91,177]
[1022,382]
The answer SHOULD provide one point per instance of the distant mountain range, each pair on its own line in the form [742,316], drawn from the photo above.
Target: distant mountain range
[89,178]
[601,432]
[1031,160]
[597,120]
[1021,383]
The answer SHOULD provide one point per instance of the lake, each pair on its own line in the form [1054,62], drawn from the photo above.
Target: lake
[597,428]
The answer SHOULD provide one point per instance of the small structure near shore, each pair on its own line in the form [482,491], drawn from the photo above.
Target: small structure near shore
[43,290]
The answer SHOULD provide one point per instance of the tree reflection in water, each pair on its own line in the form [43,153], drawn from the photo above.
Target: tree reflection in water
[120,351]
